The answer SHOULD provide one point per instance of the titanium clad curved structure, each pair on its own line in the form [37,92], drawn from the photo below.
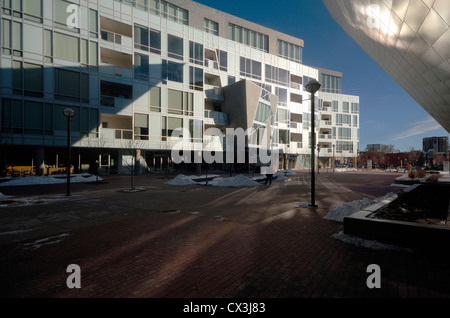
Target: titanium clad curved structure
[410,40]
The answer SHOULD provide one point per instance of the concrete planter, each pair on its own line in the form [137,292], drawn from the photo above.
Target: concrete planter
[401,233]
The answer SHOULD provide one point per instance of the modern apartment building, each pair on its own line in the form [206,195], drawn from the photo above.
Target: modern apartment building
[135,71]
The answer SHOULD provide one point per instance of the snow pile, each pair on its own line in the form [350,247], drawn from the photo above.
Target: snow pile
[360,242]
[204,176]
[53,179]
[236,181]
[349,208]
[346,209]
[2,196]
[289,172]
[344,169]
[181,180]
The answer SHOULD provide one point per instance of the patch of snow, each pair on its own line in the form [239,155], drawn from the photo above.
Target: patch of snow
[181,180]
[346,209]
[52,179]
[236,181]
[344,169]
[2,196]
[37,244]
[360,242]
[15,232]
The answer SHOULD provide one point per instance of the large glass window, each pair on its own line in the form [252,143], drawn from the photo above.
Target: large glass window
[60,15]
[342,119]
[33,80]
[290,51]
[250,68]
[175,46]
[34,119]
[147,39]
[344,133]
[277,75]
[66,47]
[180,103]
[172,71]
[248,37]
[78,88]
[32,10]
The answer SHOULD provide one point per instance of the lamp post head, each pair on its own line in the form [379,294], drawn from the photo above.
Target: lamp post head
[313,86]
[68,112]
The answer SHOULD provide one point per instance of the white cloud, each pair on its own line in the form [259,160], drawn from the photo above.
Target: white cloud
[420,127]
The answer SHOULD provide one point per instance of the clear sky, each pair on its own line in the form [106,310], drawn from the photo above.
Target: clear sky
[388,115]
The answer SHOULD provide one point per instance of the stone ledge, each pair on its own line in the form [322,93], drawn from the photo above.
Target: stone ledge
[402,233]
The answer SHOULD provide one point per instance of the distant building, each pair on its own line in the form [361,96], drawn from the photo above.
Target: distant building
[380,148]
[436,144]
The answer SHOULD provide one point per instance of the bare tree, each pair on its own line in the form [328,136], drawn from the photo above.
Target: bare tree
[131,153]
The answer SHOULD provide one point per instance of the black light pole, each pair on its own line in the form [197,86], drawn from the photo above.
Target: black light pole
[69,113]
[312,87]
[318,158]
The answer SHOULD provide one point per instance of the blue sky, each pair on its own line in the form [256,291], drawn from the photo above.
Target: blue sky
[388,115]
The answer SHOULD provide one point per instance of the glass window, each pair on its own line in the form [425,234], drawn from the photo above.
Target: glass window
[195,78]
[223,59]
[33,79]
[63,91]
[141,126]
[93,53]
[250,68]
[34,119]
[175,101]
[172,124]
[66,47]
[175,46]
[6,116]
[172,71]
[155,41]
[211,27]
[6,36]
[17,36]
[345,108]
[141,38]
[141,66]
[60,15]
[195,53]
[248,37]
[155,99]
[17,76]
[17,116]
[289,51]
[32,10]
[93,22]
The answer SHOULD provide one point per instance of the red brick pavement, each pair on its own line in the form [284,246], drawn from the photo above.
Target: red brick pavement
[218,245]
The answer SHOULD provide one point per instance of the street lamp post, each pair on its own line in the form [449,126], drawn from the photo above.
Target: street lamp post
[318,158]
[312,87]
[69,113]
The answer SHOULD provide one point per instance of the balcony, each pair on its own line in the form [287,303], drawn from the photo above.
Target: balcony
[216,118]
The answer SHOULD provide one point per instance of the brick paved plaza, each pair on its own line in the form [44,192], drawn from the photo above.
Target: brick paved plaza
[203,242]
